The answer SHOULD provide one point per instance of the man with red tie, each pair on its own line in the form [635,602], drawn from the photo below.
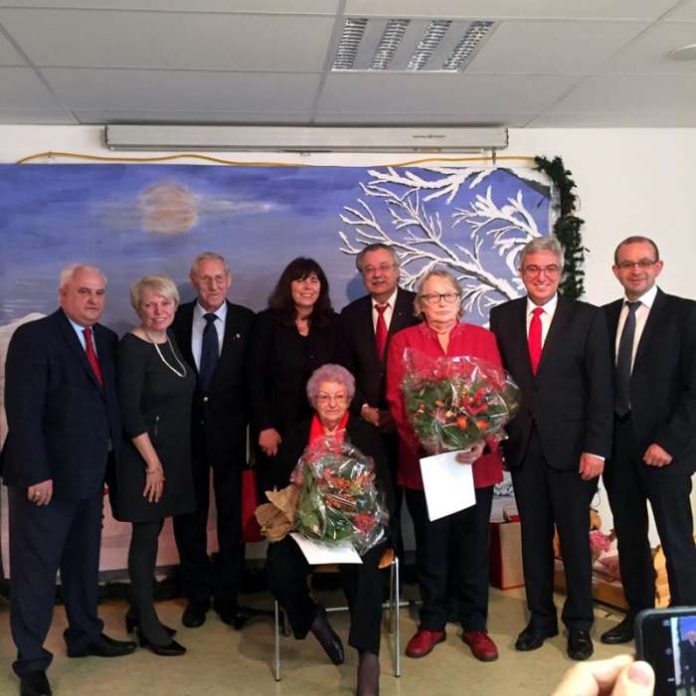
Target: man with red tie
[557,351]
[63,428]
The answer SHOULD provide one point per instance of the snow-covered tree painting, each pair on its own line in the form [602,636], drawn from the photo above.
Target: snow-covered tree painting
[471,220]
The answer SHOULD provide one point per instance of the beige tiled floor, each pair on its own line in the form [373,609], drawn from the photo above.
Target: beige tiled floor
[222,661]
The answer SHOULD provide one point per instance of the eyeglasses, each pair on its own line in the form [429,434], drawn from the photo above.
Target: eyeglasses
[550,270]
[332,398]
[643,264]
[435,297]
[382,268]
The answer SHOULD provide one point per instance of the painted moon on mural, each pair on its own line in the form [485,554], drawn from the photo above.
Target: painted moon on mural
[168,208]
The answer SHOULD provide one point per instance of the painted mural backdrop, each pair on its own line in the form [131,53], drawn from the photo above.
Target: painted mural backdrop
[132,220]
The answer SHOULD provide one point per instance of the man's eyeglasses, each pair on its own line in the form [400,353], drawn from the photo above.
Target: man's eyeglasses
[331,398]
[382,268]
[551,270]
[435,297]
[643,264]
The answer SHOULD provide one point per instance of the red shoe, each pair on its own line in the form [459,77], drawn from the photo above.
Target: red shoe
[423,642]
[481,645]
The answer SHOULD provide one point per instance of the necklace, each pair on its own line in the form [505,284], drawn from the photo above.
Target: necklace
[162,358]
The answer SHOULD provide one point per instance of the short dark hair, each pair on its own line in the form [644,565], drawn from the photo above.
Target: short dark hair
[636,239]
[281,302]
[377,246]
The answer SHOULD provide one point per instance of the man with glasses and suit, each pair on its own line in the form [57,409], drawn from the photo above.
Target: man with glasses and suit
[653,337]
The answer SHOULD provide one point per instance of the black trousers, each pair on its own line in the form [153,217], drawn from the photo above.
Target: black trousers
[65,535]
[202,580]
[468,531]
[287,571]
[630,484]
[391,447]
[547,496]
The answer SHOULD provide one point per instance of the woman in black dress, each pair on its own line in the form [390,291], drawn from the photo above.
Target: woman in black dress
[153,476]
[294,336]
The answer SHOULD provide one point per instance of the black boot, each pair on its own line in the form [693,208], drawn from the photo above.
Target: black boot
[327,637]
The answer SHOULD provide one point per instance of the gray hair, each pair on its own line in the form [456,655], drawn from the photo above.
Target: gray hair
[330,373]
[67,273]
[377,246]
[436,273]
[158,284]
[540,244]
[209,256]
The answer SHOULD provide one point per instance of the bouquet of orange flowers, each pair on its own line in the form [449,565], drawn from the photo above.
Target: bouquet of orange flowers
[338,499]
[453,402]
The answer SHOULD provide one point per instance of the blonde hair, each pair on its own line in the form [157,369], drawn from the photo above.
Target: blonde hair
[159,284]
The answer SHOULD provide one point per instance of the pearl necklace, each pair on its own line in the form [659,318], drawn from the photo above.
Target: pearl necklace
[162,358]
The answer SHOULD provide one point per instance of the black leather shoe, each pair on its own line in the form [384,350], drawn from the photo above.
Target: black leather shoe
[579,644]
[34,684]
[194,614]
[621,633]
[171,649]
[228,613]
[327,637]
[533,638]
[133,622]
[104,647]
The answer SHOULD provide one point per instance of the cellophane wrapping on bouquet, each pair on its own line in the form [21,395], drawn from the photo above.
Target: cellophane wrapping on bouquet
[453,402]
[339,500]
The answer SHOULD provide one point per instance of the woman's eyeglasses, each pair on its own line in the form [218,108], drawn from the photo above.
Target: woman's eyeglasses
[331,398]
[435,297]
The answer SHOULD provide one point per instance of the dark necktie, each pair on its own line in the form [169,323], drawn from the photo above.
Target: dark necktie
[92,358]
[534,338]
[210,350]
[622,397]
[381,330]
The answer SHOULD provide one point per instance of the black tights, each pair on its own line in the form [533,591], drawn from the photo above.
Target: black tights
[142,556]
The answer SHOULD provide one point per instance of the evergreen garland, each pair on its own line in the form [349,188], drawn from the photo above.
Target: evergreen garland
[567,225]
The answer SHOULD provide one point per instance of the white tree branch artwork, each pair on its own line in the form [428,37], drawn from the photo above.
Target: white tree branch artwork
[425,231]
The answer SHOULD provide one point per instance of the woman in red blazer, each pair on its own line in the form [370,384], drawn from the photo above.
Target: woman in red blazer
[439,300]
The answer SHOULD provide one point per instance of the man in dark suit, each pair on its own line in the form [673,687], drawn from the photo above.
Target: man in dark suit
[212,333]
[653,336]
[63,426]
[367,325]
[556,349]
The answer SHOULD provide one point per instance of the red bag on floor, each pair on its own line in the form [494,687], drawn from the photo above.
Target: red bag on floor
[250,527]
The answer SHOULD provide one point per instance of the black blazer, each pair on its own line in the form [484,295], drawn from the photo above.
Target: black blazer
[663,379]
[570,399]
[61,422]
[357,350]
[220,415]
[358,432]
[280,364]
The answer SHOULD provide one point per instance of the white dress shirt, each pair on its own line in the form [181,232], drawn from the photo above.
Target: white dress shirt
[388,312]
[198,326]
[546,316]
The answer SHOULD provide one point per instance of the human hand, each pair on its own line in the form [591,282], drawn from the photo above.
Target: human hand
[617,676]
[386,421]
[370,414]
[154,484]
[657,456]
[269,441]
[41,493]
[469,456]
[590,466]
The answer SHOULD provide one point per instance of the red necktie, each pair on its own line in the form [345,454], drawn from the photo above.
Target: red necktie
[381,330]
[534,338]
[92,358]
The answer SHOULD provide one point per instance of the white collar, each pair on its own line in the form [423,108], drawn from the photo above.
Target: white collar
[549,308]
[646,299]
[390,301]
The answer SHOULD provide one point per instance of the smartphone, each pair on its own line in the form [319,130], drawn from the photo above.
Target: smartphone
[666,638]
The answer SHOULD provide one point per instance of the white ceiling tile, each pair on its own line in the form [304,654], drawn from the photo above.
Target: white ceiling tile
[369,93]
[630,94]
[170,40]
[494,9]
[410,119]
[628,119]
[685,10]
[649,52]
[8,54]
[96,116]
[191,90]
[552,47]
[21,88]
[48,116]
[255,6]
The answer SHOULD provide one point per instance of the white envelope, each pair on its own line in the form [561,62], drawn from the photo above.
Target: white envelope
[318,553]
[448,484]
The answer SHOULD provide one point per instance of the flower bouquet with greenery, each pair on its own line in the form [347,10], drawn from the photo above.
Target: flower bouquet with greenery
[338,499]
[453,402]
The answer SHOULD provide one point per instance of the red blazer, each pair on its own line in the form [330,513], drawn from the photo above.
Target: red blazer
[465,339]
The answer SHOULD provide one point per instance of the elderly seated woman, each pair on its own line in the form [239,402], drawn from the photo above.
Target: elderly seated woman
[330,390]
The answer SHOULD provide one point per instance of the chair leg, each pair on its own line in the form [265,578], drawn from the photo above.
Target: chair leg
[276,657]
[395,619]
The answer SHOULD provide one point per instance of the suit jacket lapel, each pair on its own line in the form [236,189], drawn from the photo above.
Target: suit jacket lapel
[553,337]
[185,334]
[655,318]
[400,316]
[613,312]
[231,334]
